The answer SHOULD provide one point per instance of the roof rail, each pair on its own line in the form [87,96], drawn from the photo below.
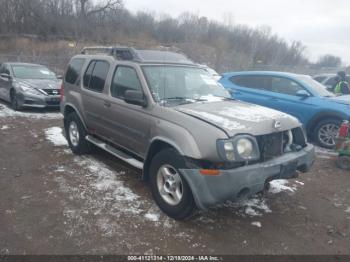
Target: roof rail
[118,52]
[140,56]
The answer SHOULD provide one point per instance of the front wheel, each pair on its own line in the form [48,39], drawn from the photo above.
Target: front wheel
[325,133]
[14,101]
[169,188]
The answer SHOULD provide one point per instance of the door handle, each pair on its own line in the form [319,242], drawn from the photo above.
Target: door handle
[274,99]
[106,104]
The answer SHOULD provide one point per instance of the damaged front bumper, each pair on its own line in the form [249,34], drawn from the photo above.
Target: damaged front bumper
[245,181]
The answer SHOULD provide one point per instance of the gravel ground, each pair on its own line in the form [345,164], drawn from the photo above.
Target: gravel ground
[53,202]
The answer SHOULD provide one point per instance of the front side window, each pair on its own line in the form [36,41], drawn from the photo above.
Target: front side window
[32,72]
[182,84]
[95,76]
[124,79]
[73,70]
[314,86]
[285,86]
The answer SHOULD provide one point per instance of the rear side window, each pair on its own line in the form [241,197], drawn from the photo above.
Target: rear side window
[74,69]
[125,78]
[255,82]
[95,76]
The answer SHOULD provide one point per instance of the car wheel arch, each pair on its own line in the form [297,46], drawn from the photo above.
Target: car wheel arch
[156,146]
[322,116]
[68,109]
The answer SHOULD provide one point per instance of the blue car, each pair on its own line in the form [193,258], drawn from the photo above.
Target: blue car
[320,111]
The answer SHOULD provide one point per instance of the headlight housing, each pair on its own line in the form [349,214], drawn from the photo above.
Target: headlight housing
[28,89]
[241,148]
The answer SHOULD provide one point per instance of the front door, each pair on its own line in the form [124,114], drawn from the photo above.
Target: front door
[129,124]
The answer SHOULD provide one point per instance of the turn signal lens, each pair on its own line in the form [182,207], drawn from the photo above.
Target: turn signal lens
[209,172]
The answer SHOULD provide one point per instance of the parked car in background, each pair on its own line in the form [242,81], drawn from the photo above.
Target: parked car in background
[319,110]
[168,117]
[29,85]
[328,80]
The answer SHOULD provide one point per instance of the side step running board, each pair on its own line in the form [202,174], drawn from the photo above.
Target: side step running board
[123,156]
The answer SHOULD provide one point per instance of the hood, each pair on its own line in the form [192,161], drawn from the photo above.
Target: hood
[40,83]
[236,117]
[345,99]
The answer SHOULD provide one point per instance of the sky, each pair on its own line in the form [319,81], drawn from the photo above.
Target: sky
[322,25]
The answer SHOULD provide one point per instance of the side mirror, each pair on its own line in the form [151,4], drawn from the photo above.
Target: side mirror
[5,76]
[135,97]
[303,93]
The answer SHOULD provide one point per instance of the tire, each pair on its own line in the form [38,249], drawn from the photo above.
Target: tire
[75,134]
[343,162]
[325,132]
[14,101]
[179,204]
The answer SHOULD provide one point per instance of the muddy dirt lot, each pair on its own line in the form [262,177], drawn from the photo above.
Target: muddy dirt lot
[53,202]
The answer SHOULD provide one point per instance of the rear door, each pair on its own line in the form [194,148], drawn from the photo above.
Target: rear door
[252,88]
[93,98]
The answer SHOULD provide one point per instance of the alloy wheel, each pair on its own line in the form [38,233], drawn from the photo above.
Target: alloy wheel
[170,185]
[74,133]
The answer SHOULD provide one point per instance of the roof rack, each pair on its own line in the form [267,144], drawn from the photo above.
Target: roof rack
[141,56]
[119,52]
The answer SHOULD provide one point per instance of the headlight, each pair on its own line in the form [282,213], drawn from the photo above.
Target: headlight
[244,147]
[240,148]
[28,89]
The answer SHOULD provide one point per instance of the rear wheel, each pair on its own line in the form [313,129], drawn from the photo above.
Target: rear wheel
[76,133]
[169,188]
[343,162]
[325,132]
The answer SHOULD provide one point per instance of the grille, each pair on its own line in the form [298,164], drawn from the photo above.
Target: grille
[52,92]
[271,146]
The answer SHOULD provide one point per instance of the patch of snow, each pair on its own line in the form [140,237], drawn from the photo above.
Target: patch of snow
[55,136]
[251,207]
[221,121]
[255,207]
[107,181]
[300,183]
[279,185]
[152,217]
[8,112]
[211,98]
[60,169]
[256,223]
[4,127]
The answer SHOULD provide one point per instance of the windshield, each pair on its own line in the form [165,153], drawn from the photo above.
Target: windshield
[183,84]
[32,72]
[318,88]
